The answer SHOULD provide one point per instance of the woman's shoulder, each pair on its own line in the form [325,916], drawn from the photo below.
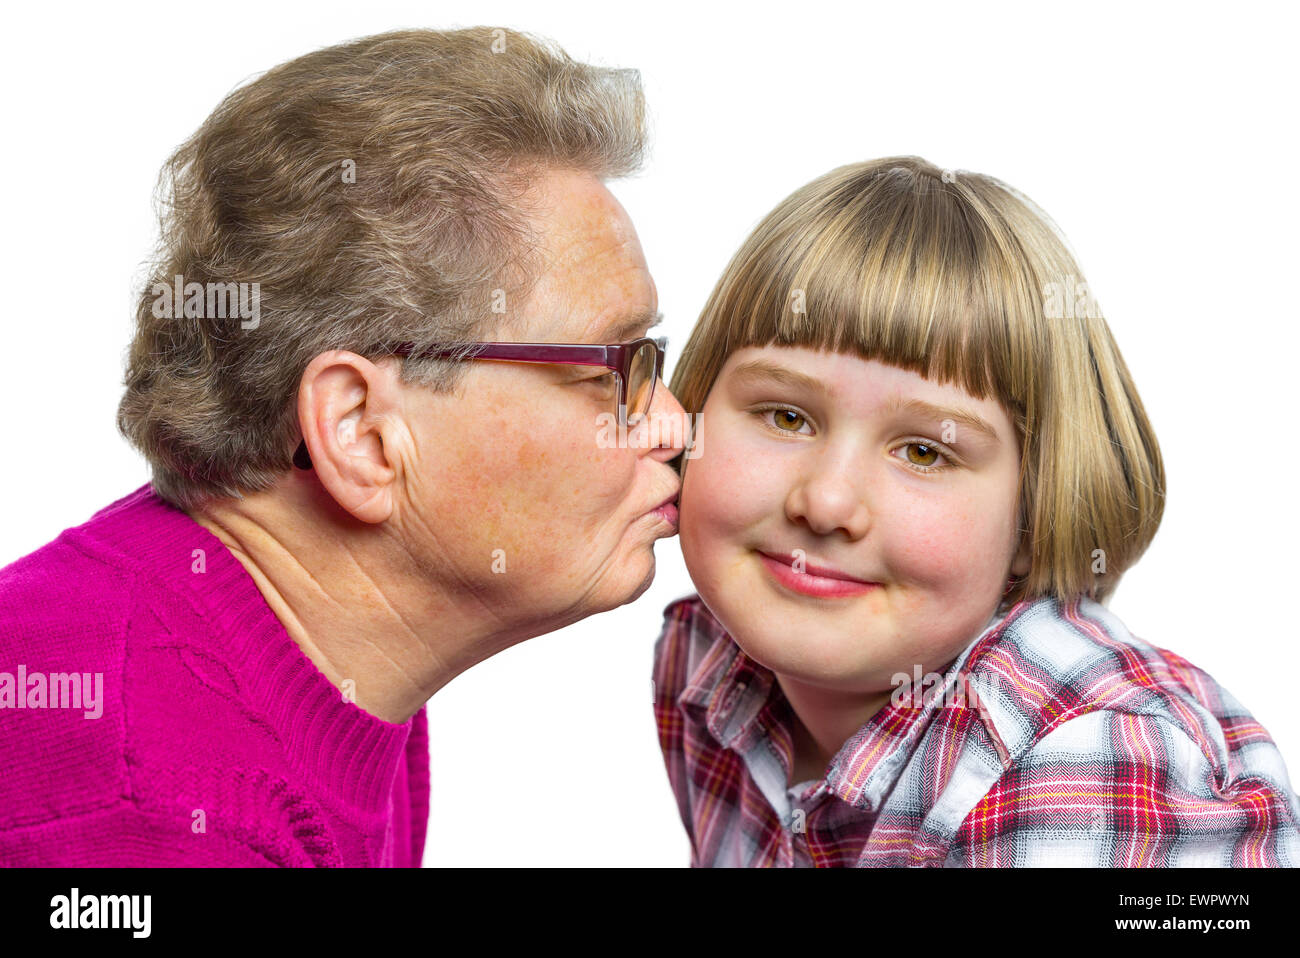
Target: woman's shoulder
[87,563]
[63,606]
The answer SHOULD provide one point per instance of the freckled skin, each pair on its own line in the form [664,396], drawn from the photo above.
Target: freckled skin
[942,545]
[437,529]
[534,482]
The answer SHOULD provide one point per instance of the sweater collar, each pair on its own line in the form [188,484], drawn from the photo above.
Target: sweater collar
[339,748]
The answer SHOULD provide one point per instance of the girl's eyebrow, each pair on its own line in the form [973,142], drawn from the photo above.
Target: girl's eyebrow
[963,417]
[760,369]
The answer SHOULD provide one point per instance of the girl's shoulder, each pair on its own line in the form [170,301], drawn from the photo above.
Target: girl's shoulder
[1046,662]
[690,638]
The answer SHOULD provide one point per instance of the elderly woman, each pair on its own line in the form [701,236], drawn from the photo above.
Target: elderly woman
[229,665]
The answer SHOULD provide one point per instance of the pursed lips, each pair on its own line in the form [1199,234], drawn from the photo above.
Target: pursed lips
[671,500]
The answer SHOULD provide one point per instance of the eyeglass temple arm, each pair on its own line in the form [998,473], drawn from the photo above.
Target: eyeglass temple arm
[577,354]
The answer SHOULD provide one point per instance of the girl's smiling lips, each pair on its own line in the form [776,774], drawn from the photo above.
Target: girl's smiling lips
[824,572]
[818,581]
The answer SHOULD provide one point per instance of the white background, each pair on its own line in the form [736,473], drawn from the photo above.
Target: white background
[1159,137]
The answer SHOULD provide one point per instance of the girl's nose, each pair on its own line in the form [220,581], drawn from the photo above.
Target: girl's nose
[829,500]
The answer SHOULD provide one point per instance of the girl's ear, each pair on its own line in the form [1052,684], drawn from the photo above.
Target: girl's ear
[1020,562]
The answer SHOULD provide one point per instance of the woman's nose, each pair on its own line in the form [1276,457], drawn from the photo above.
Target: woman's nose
[668,422]
[665,397]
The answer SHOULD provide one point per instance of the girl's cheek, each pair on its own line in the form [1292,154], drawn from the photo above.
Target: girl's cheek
[704,499]
[739,484]
[720,506]
[941,547]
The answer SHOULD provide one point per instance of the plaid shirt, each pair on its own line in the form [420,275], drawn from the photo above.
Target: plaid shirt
[1055,738]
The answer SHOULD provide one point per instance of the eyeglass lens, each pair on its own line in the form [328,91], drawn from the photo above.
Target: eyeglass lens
[641,382]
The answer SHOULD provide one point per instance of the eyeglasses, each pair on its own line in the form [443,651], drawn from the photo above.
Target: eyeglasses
[638,366]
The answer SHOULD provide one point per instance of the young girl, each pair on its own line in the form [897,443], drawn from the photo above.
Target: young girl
[923,468]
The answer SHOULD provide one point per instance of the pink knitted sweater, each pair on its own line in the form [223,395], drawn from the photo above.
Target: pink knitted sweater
[154,711]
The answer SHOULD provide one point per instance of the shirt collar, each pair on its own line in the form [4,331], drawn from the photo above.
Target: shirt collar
[740,701]
[728,689]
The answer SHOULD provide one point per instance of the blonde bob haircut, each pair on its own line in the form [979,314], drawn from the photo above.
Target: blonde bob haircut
[960,278]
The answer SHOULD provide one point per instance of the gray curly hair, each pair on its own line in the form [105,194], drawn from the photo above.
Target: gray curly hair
[369,194]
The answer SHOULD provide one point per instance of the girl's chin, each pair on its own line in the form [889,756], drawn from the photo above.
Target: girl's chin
[809,663]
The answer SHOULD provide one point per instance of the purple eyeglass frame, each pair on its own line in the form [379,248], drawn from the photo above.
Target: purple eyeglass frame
[616,357]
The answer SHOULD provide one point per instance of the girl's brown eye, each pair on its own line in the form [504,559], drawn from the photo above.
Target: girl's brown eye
[787,419]
[927,457]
